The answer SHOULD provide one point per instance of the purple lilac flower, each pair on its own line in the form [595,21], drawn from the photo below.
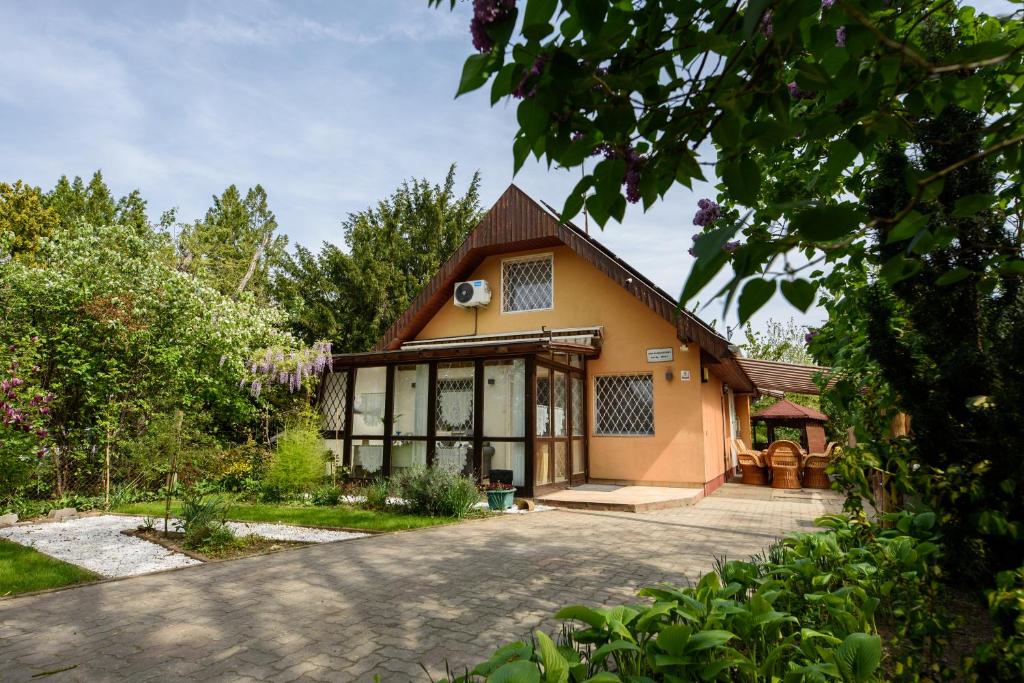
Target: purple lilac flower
[809,337]
[520,90]
[797,94]
[766,28]
[827,4]
[485,13]
[841,36]
[731,246]
[708,212]
[257,386]
[634,162]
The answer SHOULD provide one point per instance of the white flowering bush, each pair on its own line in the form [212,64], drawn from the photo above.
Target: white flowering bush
[123,335]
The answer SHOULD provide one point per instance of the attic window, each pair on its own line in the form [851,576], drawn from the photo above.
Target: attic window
[527,284]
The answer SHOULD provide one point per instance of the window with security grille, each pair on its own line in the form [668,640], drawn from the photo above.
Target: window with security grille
[455,406]
[332,401]
[526,284]
[624,405]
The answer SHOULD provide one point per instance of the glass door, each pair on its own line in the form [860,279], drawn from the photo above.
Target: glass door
[552,447]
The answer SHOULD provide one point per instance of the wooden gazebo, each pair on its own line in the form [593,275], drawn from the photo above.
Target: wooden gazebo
[785,413]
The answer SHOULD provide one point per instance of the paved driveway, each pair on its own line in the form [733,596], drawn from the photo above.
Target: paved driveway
[384,604]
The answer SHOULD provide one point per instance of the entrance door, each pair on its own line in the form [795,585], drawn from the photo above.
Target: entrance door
[551,442]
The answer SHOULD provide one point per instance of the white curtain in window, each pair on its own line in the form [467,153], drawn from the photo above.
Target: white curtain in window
[518,396]
[370,458]
[371,405]
[456,407]
[451,458]
[422,390]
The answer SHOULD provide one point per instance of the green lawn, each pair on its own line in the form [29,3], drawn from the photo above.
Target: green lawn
[23,569]
[337,516]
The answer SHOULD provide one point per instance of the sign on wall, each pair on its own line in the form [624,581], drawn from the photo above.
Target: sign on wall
[659,355]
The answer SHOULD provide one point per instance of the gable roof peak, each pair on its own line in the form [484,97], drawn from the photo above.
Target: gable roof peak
[517,222]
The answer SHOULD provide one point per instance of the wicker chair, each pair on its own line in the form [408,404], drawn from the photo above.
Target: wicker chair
[752,464]
[784,459]
[815,476]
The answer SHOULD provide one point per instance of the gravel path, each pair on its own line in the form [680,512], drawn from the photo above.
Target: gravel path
[285,532]
[96,542]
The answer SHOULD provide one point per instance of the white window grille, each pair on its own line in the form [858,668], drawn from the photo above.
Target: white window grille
[332,401]
[527,284]
[455,405]
[624,405]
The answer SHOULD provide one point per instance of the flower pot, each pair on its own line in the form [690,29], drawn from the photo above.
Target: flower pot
[500,500]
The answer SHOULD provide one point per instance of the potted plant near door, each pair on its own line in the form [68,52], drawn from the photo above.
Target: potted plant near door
[499,495]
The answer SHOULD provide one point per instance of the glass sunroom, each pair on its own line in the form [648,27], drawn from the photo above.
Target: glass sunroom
[511,410]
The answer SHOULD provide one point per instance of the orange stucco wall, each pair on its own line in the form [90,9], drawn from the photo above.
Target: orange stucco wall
[583,296]
[743,417]
[714,428]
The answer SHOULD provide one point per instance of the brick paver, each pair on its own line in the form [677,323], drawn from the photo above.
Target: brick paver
[385,604]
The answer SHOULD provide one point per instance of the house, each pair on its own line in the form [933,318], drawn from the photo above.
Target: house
[537,356]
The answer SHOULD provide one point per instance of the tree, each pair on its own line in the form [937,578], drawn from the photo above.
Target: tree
[234,247]
[780,342]
[797,100]
[119,336]
[827,125]
[74,201]
[24,218]
[394,250]
[947,357]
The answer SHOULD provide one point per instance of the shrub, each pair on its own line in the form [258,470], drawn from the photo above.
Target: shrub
[299,458]
[220,539]
[377,493]
[1002,659]
[438,492]
[200,517]
[270,493]
[27,508]
[326,495]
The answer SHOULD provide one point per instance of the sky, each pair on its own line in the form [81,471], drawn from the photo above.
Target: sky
[329,105]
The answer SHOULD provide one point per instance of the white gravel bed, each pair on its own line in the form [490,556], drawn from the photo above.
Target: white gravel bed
[97,544]
[287,532]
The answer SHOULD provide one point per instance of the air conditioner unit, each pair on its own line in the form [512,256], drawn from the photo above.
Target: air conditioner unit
[472,294]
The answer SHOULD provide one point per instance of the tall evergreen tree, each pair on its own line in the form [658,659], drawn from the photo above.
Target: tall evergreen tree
[94,203]
[394,248]
[234,247]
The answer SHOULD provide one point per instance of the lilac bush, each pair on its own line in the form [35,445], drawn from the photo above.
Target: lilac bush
[486,13]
